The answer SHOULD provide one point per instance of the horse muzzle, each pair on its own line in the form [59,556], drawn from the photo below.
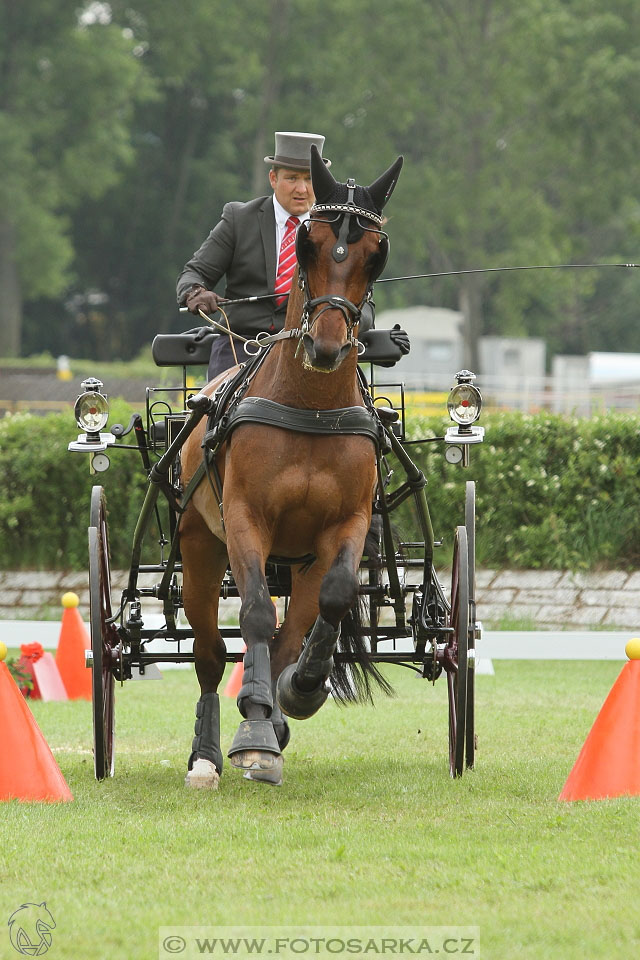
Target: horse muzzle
[323,357]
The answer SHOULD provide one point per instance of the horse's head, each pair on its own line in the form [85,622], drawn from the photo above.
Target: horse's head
[341,251]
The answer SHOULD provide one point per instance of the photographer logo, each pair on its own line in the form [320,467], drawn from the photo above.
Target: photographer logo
[30,929]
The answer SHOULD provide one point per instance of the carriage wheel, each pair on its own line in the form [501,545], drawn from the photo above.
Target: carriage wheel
[458,648]
[470,527]
[104,637]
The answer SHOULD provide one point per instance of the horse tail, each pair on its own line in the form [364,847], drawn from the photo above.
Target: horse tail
[356,682]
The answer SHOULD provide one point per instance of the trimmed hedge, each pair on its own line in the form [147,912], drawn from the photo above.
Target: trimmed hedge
[45,493]
[552,492]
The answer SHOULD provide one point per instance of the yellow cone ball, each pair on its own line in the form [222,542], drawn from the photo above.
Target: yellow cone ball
[632,648]
[70,599]
[3,650]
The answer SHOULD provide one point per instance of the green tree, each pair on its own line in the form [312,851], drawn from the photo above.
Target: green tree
[69,79]
[516,118]
[509,115]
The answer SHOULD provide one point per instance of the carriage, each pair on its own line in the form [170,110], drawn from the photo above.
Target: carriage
[407,617]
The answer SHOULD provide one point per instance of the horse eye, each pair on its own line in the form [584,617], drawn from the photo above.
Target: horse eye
[374,262]
[307,250]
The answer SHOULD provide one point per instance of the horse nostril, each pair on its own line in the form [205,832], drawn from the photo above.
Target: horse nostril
[309,346]
[345,349]
[323,356]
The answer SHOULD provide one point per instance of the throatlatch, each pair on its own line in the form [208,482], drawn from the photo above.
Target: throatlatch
[206,743]
[302,686]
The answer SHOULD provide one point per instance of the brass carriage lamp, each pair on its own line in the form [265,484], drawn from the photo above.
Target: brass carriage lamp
[91,411]
[464,406]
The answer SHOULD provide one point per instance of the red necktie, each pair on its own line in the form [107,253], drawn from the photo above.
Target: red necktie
[286,260]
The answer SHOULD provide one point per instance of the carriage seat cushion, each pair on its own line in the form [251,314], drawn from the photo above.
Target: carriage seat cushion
[181,349]
[379,347]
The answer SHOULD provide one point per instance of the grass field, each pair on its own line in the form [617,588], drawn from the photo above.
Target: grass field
[367,829]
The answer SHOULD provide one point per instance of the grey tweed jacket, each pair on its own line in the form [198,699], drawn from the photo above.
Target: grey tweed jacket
[242,248]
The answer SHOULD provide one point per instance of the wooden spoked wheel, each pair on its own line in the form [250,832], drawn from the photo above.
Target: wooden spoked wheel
[104,637]
[470,527]
[457,654]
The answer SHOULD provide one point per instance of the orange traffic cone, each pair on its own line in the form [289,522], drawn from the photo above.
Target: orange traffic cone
[609,763]
[233,684]
[28,770]
[73,642]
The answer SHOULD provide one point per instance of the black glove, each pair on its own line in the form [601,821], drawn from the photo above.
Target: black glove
[401,339]
[199,333]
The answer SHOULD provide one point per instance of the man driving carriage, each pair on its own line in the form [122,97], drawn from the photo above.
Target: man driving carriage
[253,247]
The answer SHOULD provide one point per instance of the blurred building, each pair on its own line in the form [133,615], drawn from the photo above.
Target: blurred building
[437,351]
[511,370]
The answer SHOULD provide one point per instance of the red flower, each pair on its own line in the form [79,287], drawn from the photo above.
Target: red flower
[32,651]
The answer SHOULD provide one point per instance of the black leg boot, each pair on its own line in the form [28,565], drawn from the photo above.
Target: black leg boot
[205,762]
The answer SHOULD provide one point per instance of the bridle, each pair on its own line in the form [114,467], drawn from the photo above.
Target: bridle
[344,212]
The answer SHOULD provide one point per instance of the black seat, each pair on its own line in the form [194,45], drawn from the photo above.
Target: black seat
[379,347]
[181,349]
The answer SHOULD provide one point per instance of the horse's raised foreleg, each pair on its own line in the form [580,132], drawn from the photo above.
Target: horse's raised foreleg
[285,648]
[204,561]
[302,686]
[255,747]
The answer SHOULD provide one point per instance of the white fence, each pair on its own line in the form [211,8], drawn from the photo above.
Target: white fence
[527,394]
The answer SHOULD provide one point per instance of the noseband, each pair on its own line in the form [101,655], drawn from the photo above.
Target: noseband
[340,251]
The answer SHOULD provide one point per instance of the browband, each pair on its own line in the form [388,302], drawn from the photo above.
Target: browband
[347,208]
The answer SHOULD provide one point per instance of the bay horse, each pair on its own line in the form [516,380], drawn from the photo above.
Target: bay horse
[290,493]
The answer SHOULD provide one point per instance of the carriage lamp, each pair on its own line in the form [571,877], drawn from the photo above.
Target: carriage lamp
[464,406]
[91,411]
[465,400]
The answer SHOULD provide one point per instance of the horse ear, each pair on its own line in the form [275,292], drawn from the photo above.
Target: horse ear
[382,188]
[322,179]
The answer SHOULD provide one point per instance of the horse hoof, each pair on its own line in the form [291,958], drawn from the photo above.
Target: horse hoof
[203,776]
[297,703]
[255,760]
[272,776]
[255,740]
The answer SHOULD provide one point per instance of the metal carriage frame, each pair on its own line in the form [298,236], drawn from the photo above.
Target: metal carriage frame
[442,631]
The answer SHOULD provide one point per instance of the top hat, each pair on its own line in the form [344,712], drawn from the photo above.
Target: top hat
[293,150]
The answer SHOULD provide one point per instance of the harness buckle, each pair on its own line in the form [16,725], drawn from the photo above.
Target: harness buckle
[258,343]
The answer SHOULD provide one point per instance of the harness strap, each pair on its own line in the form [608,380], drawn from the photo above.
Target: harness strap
[341,421]
[264,339]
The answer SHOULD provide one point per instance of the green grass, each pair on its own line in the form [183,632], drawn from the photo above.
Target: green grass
[368,827]
[508,622]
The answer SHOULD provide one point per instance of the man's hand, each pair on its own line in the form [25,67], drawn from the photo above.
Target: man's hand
[401,339]
[198,333]
[201,299]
